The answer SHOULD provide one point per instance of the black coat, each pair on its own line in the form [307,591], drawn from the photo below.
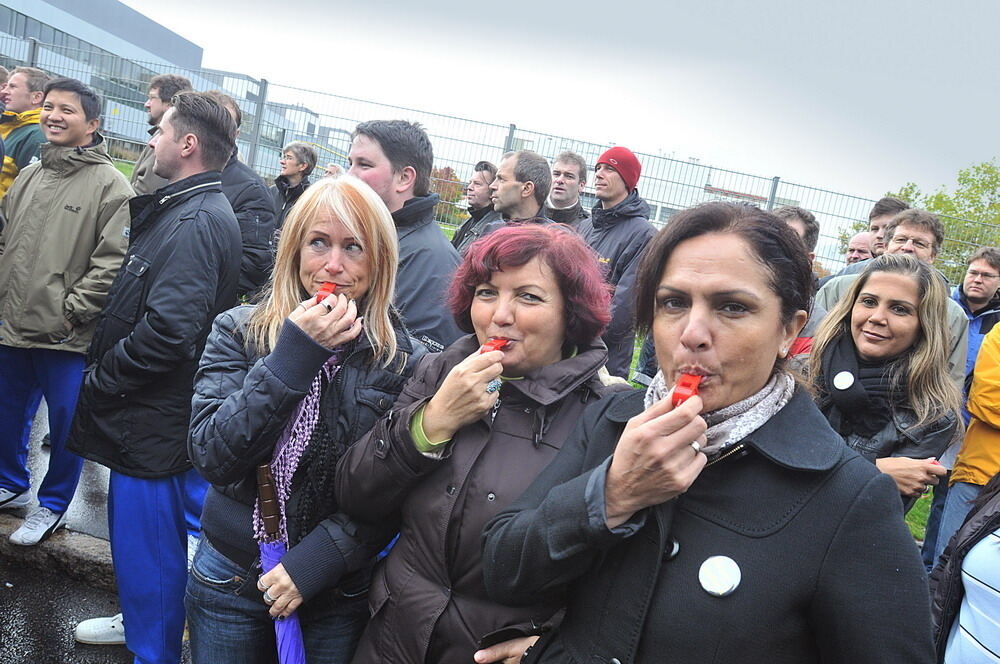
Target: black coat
[426,264]
[283,197]
[242,403]
[473,227]
[180,272]
[251,201]
[829,571]
[619,235]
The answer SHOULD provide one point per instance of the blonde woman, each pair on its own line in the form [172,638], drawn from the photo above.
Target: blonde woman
[879,363]
[292,382]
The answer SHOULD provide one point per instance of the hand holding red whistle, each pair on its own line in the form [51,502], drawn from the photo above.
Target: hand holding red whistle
[325,290]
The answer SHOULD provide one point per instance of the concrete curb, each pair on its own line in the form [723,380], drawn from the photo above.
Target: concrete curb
[81,557]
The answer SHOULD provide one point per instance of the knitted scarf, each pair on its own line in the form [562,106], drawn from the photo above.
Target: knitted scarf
[292,445]
[731,424]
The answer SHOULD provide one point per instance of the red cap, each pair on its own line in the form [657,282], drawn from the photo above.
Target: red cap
[625,162]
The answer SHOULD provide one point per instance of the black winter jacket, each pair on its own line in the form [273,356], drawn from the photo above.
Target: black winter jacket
[180,271]
[946,579]
[283,197]
[619,235]
[242,403]
[426,264]
[571,216]
[828,571]
[473,227]
[251,201]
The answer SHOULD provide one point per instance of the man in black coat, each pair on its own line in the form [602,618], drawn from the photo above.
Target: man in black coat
[181,270]
[481,212]
[394,157]
[618,231]
[569,176]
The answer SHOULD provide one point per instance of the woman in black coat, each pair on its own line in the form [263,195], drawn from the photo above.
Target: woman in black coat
[292,383]
[879,364]
[736,526]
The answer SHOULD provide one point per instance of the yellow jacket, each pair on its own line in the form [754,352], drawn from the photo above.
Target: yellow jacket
[22,138]
[979,459]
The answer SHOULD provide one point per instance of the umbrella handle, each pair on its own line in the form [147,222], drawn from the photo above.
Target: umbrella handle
[270,514]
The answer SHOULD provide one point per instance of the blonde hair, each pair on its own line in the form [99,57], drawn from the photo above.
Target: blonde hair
[353,203]
[930,391]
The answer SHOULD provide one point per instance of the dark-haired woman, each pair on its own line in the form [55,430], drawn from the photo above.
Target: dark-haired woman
[469,432]
[880,365]
[291,383]
[736,526]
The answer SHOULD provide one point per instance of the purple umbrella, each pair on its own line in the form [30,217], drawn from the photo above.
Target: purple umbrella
[288,632]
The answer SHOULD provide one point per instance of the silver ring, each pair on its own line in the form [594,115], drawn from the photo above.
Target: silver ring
[328,307]
[493,385]
[268,599]
[695,446]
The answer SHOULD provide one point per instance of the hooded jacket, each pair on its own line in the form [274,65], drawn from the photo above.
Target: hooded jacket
[283,197]
[619,235]
[473,227]
[428,600]
[22,139]
[180,272]
[67,231]
[571,216]
[144,180]
[426,264]
[980,323]
[252,205]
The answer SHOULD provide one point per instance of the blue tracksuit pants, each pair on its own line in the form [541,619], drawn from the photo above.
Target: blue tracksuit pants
[26,375]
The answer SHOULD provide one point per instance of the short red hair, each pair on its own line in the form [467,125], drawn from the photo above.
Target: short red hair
[587,297]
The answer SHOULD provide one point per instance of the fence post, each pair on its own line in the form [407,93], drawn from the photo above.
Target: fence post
[774,193]
[508,144]
[258,122]
[32,52]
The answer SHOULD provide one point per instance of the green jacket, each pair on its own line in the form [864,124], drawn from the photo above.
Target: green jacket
[22,137]
[66,234]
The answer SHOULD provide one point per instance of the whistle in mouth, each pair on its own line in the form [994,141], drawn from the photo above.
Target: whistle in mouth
[325,289]
[494,344]
[687,387]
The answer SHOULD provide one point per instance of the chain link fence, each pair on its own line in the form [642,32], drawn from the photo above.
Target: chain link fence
[275,114]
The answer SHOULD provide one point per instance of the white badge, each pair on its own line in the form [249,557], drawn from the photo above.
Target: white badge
[719,575]
[843,380]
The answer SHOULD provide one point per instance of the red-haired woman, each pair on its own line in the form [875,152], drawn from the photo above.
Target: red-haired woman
[470,431]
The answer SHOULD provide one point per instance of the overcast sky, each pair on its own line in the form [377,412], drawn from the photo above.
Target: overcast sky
[857,96]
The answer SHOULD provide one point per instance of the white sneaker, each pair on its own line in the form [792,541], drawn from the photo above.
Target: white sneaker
[38,527]
[101,631]
[10,500]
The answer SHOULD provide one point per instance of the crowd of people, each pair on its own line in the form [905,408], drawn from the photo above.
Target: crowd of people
[328,423]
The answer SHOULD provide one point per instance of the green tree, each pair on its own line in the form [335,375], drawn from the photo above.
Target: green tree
[970,214]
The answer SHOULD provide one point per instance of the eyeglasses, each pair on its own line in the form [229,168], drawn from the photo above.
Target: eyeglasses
[901,240]
[985,276]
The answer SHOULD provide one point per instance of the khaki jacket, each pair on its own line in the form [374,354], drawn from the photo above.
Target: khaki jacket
[67,232]
[144,180]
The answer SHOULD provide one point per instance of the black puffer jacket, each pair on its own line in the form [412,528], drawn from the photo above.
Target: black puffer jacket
[619,235]
[242,403]
[251,201]
[180,272]
[473,227]
[283,197]
[426,263]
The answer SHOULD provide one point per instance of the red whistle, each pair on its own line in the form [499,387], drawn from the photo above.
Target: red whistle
[327,288]
[687,387]
[494,344]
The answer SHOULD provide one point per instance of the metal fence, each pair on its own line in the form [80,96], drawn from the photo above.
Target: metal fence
[275,114]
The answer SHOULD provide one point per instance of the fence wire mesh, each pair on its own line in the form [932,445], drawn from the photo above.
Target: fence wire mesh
[275,114]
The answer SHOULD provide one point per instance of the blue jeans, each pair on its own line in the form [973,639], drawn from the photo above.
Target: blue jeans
[230,626]
[956,508]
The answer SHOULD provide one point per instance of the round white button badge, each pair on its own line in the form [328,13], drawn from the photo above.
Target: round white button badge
[719,576]
[843,380]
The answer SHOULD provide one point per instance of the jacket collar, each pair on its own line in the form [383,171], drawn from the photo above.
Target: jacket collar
[281,182]
[479,213]
[633,206]
[29,117]
[549,384]
[62,159]
[781,439]
[418,211]
[143,207]
[992,307]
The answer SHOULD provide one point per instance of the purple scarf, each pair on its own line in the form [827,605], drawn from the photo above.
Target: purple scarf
[292,445]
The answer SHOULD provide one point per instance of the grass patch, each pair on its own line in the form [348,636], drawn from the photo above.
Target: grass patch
[126,168]
[916,518]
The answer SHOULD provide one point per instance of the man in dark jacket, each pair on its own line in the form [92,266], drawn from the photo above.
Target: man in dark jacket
[162,89]
[520,188]
[481,212]
[394,157]
[618,231]
[253,207]
[181,270]
[569,175]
